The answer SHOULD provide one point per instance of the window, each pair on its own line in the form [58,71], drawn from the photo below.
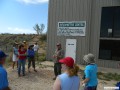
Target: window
[109,48]
[116,27]
[110,22]
[106,21]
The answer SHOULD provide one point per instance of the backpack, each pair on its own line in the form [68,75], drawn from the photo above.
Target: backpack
[31,53]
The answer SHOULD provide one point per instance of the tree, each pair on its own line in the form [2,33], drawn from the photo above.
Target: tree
[42,27]
[39,28]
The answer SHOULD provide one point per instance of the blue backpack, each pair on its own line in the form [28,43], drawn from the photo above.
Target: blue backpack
[31,53]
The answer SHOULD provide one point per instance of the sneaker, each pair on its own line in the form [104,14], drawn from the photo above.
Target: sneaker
[29,71]
[19,75]
[35,70]
[23,74]
[54,78]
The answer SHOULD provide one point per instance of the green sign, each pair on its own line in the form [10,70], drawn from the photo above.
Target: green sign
[76,28]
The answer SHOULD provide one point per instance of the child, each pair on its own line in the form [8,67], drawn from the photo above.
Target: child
[3,73]
[90,80]
[22,60]
[31,57]
[15,55]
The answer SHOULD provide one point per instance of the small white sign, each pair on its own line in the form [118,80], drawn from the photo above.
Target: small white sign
[111,88]
[75,28]
[109,30]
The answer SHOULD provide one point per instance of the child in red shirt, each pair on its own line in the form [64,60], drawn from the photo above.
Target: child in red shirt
[22,59]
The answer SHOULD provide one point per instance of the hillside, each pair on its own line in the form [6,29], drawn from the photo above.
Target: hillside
[7,41]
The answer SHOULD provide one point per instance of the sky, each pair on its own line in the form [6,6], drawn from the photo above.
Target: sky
[20,16]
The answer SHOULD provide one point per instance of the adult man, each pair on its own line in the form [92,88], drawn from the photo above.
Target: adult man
[59,54]
[3,73]
[36,47]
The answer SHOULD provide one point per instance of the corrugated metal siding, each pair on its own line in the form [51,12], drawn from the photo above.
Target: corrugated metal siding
[95,29]
[68,10]
[78,10]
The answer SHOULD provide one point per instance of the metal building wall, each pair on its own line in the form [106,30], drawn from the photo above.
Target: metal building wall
[68,10]
[95,29]
[78,10]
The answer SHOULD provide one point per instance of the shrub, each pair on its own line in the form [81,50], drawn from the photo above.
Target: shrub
[42,58]
[108,76]
[43,37]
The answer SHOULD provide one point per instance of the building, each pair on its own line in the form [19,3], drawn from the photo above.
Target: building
[86,26]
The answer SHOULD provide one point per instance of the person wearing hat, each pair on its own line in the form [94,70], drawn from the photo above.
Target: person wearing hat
[69,80]
[36,48]
[21,60]
[59,54]
[31,58]
[25,45]
[15,54]
[3,74]
[90,79]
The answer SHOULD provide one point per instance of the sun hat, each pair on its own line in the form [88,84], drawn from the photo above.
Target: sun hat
[24,41]
[89,58]
[68,61]
[16,43]
[58,44]
[2,54]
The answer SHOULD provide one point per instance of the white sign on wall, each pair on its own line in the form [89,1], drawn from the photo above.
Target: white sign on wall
[75,28]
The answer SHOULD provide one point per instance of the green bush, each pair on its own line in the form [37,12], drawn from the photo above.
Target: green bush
[108,76]
[43,37]
[42,58]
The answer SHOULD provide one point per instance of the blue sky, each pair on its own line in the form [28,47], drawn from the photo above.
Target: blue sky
[19,16]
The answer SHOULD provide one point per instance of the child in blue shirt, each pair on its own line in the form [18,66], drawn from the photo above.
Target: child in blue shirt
[90,80]
[31,58]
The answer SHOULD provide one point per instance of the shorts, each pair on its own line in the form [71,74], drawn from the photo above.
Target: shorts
[15,58]
[91,88]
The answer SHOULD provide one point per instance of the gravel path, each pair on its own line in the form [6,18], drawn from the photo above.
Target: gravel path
[41,80]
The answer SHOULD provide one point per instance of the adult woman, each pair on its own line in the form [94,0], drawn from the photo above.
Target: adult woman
[22,60]
[90,80]
[31,58]
[15,55]
[69,80]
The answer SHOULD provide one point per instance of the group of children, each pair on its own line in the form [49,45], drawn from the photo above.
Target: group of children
[23,52]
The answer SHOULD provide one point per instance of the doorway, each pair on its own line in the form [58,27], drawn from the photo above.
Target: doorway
[71,48]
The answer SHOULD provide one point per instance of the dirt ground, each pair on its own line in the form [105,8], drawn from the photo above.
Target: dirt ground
[41,80]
